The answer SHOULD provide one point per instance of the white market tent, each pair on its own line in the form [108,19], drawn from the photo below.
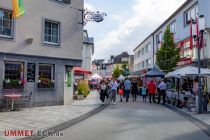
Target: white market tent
[96,77]
[188,71]
[121,77]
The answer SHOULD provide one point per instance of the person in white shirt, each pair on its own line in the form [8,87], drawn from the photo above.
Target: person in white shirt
[162,87]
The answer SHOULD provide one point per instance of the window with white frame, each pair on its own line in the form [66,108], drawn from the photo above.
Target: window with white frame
[146,49]
[148,62]
[191,13]
[149,47]
[139,54]
[6,23]
[172,27]
[142,51]
[51,32]
[159,38]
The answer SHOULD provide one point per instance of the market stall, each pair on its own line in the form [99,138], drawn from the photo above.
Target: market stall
[185,92]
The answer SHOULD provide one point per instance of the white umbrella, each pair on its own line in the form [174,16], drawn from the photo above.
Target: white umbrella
[187,71]
[96,76]
[121,77]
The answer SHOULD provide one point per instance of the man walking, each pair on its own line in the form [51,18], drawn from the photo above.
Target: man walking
[127,85]
[151,89]
[162,86]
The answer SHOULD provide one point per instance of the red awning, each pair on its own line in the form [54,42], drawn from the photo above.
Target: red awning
[80,70]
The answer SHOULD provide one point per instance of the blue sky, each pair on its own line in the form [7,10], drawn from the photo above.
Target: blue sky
[127,23]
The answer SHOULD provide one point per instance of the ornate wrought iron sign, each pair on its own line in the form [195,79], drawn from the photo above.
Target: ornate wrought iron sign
[92,16]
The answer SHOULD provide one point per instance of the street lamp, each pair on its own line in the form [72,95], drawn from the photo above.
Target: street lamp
[198,37]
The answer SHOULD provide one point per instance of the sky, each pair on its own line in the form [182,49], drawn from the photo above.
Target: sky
[128,22]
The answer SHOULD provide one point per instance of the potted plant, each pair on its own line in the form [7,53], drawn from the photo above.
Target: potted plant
[83,90]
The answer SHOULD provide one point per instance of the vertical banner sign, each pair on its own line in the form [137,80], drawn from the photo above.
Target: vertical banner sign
[69,78]
[31,69]
[18,8]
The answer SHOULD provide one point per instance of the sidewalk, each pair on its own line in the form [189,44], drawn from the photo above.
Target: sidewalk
[42,118]
[204,117]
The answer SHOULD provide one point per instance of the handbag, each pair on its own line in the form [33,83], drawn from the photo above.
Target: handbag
[121,92]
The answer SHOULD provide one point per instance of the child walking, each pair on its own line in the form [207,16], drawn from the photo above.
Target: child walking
[144,93]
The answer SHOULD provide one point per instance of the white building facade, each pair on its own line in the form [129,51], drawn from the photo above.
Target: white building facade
[179,25]
[143,55]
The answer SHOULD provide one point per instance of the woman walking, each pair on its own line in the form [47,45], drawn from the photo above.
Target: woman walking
[103,91]
[121,90]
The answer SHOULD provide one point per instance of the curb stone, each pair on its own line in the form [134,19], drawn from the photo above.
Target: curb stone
[202,125]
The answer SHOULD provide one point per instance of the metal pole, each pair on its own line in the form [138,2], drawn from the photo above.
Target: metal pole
[199,80]
[153,50]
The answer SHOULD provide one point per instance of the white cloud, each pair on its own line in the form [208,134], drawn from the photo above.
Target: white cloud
[89,6]
[148,13]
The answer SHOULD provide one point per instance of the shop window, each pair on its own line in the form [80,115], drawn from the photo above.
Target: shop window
[13,75]
[46,76]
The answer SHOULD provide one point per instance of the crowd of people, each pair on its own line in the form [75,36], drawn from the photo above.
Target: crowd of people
[131,88]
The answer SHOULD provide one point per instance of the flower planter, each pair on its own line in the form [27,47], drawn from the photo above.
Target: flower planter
[43,85]
[80,97]
[9,86]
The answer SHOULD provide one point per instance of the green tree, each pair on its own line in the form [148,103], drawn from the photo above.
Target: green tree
[124,68]
[168,55]
[116,73]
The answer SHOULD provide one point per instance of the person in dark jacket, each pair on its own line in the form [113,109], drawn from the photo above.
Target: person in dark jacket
[103,91]
[135,89]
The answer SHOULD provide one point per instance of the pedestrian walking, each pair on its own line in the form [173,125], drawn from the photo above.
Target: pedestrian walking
[144,93]
[127,85]
[162,87]
[152,90]
[113,90]
[121,90]
[135,89]
[103,92]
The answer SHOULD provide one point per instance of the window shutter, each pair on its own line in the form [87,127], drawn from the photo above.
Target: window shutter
[67,1]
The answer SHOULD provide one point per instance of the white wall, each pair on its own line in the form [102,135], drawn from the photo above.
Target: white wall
[148,55]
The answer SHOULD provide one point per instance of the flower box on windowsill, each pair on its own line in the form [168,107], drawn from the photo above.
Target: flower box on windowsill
[45,86]
[13,84]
